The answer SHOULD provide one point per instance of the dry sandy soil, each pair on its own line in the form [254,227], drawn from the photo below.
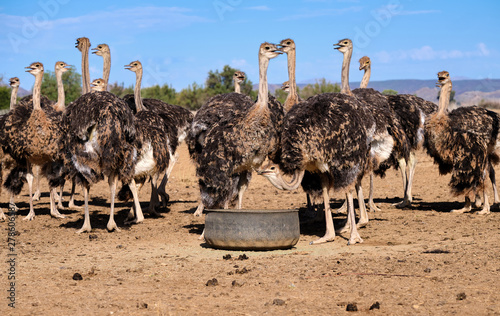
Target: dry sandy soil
[418,261]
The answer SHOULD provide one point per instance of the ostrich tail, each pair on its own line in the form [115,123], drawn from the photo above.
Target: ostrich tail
[125,194]
[15,180]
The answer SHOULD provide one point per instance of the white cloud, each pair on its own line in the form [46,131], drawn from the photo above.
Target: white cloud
[428,53]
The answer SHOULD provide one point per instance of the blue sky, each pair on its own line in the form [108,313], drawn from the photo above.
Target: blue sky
[178,42]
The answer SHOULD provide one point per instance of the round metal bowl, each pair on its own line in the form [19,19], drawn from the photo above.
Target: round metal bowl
[252,229]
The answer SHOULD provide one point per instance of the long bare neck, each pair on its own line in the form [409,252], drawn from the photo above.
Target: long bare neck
[60,92]
[444,98]
[37,88]
[237,88]
[366,78]
[345,73]
[106,69]
[292,97]
[137,91]
[263,97]
[13,96]
[85,71]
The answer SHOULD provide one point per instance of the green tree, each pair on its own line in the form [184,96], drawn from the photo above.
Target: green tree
[192,97]
[4,97]
[321,86]
[222,82]
[389,92]
[119,90]
[165,93]
[280,95]
[71,81]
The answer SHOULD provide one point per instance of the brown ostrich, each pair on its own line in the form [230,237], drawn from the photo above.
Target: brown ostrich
[246,129]
[463,142]
[238,78]
[33,133]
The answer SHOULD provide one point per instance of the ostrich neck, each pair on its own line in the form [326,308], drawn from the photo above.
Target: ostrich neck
[366,78]
[85,71]
[37,91]
[444,98]
[106,69]
[263,97]
[345,73]
[13,97]
[237,88]
[137,91]
[292,97]
[60,91]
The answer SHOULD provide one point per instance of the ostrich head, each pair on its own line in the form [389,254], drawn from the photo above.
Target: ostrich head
[443,77]
[273,173]
[364,63]
[269,50]
[35,68]
[343,45]
[101,50]
[285,86]
[239,76]
[82,43]
[14,82]
[62,66]
[98,85]
[287,45]
[134,66]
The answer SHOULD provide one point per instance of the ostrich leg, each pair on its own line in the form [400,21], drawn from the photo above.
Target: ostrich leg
[330,230]
[29,179]
[351,217]
[113,178]
[86,222]
[373,207]
[139,216]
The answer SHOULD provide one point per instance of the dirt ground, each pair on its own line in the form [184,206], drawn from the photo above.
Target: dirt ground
[418,261]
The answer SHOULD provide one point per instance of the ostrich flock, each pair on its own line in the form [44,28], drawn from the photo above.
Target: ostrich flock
[326,143]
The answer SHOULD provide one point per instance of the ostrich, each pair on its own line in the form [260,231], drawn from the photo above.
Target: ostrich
[230,136]
[14,84]
[177,118]
[463,142]
[239,77]
[153,152]
[33,133]
[100,142]
[98,85]
[329,134]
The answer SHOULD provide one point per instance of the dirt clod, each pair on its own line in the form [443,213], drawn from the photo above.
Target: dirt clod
[461,296]
[352,307]
[243,257]
[278,302]
[375,305]
[212,282]
[226,257]
[77,277]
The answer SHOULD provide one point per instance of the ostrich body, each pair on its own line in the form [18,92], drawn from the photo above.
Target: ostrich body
[411,112]
[100,142]
[153,149]
[33,133]
[238,78]
[464,142]
[230,136]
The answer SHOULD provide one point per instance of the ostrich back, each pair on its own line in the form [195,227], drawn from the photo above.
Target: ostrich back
[101,137]
[463,142]
[329,133]
[177,119]
[33,135]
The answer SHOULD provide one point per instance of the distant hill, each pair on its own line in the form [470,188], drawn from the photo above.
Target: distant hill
[467,91]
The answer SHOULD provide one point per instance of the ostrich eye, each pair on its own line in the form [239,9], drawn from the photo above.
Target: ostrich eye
[267,47]
[288,43]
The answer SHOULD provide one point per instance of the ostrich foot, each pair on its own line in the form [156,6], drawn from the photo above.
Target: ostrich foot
[71,204]
[2,215]
[131,215]
[55,213]
[402,204]
[202,236]
[36,196]
[342,209]
[326,238]
[112,226]
[13,207]
[85,229]
[152,211]
[478,202]
[134,221]
[373,207]
[465,209]
[355,238]
[362,223]
[199,210]
[484,211]
[30,216]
